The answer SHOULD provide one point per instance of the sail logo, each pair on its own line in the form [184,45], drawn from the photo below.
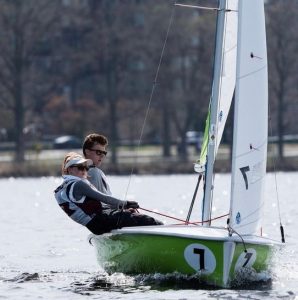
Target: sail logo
[238,218]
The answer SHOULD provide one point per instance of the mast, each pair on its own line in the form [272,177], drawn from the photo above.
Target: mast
[218,57]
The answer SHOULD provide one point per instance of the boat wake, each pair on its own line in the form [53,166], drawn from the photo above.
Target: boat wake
[248,278]
[116,282]
[173,281]
[119,282]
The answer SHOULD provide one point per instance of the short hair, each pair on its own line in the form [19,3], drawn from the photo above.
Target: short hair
[94,139]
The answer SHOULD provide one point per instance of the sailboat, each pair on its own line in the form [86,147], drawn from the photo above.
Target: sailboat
[216,254]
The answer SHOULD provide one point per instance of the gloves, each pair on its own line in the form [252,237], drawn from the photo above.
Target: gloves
[131,204]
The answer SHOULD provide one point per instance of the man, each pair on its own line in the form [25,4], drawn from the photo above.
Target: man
[94,148]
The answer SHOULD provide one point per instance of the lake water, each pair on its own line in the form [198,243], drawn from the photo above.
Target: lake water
[45,255]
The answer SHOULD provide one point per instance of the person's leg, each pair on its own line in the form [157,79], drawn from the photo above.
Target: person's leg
[129,219]
[102,223]
[115,219]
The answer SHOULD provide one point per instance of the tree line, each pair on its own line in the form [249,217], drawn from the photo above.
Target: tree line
[81,66]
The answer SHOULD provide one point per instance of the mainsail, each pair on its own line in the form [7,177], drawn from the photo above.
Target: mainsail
[250,121]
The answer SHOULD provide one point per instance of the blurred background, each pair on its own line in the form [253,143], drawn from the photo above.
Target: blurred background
[72,67]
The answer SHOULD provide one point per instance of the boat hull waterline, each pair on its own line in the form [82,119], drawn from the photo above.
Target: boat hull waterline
[191,250]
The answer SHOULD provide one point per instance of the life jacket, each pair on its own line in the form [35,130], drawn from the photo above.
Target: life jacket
[81,210]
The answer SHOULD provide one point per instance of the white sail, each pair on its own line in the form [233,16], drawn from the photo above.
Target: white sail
[250,121]
[228,71]
[222,93]
[226,82]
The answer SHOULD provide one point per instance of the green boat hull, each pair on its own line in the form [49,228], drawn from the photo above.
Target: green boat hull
[217,262]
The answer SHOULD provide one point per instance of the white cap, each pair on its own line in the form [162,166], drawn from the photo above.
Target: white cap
[78,160]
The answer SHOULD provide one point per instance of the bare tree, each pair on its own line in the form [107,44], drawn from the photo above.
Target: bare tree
[23,27]
[187,71]
[282,52]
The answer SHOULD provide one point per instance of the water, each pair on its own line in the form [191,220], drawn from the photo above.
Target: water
[44,255]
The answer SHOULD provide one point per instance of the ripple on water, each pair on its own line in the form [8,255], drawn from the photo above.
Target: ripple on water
[25,277]
[116,282]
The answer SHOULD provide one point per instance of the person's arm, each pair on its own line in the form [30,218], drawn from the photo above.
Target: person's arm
[81,189]
[94,178]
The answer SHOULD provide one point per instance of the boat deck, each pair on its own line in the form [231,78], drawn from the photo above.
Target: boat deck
[195,232]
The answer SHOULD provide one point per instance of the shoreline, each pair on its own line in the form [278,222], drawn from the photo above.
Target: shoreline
[40,168]
[145,160]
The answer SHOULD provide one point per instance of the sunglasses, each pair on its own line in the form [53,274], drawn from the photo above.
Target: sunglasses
[81,167]
[99,152]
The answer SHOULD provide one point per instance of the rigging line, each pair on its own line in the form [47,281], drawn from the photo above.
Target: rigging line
[231,230]
[151,94]
[216,218]
[275,180]
[167,216]
[194,198]
[185,222]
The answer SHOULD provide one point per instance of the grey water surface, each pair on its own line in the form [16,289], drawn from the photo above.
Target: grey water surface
[45,255]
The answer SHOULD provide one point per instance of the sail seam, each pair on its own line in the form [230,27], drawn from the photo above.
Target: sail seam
[250,215]
[251,73]
[231,49]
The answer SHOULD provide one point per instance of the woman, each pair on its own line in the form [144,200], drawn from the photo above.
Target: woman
[82,202]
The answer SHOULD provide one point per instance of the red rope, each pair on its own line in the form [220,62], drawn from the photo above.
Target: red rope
[167,216]
[185,222]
